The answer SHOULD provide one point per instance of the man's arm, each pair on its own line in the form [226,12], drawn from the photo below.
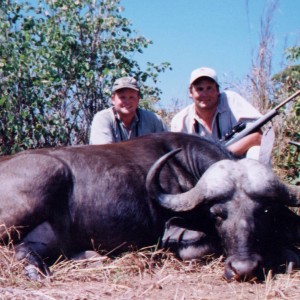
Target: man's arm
[101,130]
[243,145]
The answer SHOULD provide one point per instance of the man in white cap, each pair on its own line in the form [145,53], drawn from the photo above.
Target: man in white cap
[215,113]
[124,120]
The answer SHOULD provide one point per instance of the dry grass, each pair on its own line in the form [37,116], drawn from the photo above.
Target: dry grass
[146,274]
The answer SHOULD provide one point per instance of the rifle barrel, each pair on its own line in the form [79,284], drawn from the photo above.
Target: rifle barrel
[294,143]
[287,100]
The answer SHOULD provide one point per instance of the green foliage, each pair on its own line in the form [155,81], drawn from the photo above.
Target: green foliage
[58,59]
[287,156]
[293,54]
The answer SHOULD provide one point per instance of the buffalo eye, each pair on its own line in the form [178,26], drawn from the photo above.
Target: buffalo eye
[218,212]
[266,209]
[264,212]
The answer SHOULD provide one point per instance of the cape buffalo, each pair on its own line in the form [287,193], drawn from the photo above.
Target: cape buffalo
[198,199]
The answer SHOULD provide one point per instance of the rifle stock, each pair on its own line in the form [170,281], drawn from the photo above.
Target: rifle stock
[260,122]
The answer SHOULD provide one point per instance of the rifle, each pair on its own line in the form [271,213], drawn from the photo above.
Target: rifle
[237,135]
[294,143]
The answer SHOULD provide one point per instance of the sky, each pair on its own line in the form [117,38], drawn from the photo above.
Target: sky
[221,34]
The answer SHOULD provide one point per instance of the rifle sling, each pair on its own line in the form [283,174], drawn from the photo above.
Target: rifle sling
[197,126]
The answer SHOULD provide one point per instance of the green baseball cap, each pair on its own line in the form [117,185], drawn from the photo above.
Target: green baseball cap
[125,82]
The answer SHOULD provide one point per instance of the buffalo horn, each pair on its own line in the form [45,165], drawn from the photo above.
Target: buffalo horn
[176,202]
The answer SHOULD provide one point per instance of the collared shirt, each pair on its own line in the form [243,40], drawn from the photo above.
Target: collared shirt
[108,128]
[125,134]
[232,108]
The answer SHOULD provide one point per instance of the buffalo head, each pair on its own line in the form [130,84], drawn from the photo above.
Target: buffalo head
[244,198]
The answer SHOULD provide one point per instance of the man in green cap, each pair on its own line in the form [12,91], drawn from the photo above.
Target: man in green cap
[124,120]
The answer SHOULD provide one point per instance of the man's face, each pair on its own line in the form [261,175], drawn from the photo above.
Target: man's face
[125,101]
[205,94]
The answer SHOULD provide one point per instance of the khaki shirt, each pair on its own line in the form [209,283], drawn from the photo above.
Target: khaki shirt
[108,128]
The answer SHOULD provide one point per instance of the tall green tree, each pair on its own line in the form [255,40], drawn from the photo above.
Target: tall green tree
[58,59]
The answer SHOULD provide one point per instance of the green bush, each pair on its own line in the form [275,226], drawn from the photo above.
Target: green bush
[57,62]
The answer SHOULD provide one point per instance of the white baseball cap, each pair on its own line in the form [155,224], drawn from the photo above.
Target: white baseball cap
[204,72]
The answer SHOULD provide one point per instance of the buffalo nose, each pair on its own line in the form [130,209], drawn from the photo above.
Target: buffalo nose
[241,269]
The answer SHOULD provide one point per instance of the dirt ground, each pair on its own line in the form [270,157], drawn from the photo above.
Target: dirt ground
[139,275]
